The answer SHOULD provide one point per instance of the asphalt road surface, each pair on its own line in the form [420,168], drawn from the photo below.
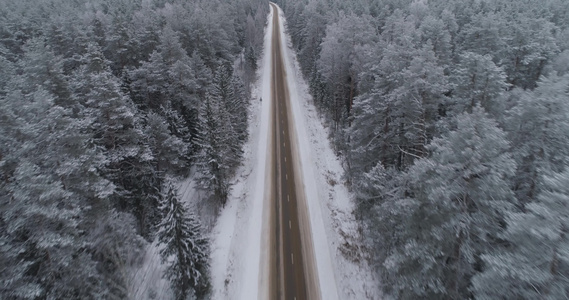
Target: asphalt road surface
[292,264]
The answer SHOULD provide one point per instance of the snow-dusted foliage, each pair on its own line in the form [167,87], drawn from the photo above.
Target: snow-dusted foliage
[451,119]
[534,262]
[185,249]
[213,159]
[458,197]
[99,104]
[222,124]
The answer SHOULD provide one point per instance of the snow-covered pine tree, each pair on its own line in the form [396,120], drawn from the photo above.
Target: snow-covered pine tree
[438,32]
[40,66]
[184,247]
[461,195]
[538,127]
[123,49]
[212,159]
[169,151]
[167,84]
[534,262]
[46,207]
[166,77]
[367,142]
[345,50]
[228,92]
[180,129]
[149,83]
[6,70]
[308,30]
[117,128]
[477,79]
[238,110]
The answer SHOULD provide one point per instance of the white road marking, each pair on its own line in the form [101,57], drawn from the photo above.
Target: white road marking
[283,131]
[287,198]
[289,225]
[285,158]
[286,176]
[292,258]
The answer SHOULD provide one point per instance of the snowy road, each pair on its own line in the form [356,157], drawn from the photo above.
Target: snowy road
[247,263]
[292,272]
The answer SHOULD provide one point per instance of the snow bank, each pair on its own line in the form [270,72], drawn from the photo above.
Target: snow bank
[236,247]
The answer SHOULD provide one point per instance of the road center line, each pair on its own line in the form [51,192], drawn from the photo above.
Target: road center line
[287,198]
[289,225]
[292,258]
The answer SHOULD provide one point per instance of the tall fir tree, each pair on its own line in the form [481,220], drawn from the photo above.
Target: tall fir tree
[184,247]
[228,92]
[212,159]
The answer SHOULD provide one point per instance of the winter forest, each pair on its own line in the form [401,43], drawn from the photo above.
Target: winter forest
[452,119]
[103,104]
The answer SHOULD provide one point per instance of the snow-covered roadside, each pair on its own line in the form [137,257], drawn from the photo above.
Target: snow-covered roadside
[335,231]
[236,244]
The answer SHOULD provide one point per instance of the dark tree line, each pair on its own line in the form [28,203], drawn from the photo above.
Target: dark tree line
[100,103]
[451,118]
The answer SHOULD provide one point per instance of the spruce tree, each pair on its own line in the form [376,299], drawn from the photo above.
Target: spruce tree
[184,247]
[228,91]
[212,159]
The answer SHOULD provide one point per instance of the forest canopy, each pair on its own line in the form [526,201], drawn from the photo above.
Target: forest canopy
[102,107]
